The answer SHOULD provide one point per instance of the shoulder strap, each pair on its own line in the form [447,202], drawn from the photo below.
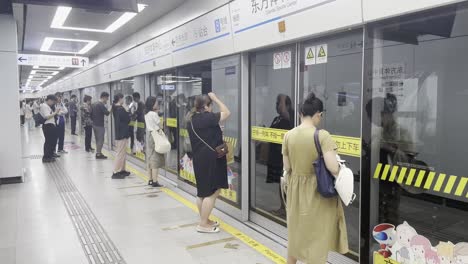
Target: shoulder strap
[195,132]
[317,142]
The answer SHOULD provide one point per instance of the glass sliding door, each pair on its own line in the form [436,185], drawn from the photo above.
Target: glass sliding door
[272,114]
[128,87]
[416,120]
[331,68]
[163,87]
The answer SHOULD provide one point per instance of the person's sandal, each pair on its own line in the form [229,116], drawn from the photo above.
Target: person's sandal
[205,230]
[215,224]
[150,182]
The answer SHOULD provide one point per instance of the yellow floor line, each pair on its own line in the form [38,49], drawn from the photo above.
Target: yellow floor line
[262,249]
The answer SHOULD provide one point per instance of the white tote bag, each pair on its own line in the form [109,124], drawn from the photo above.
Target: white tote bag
[161,143]
[344,183]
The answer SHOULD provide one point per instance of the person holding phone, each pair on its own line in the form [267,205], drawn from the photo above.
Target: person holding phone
[48,128]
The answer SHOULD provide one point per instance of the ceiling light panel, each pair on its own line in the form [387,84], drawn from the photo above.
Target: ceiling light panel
[63,12]
[48,68]
[48,41]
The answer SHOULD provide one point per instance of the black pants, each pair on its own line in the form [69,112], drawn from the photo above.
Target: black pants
[50,134]
[60,135]
[88,135]
[131,131]
[73,124]
[22,119]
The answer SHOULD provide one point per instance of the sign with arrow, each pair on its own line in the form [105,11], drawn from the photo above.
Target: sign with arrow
[52,61]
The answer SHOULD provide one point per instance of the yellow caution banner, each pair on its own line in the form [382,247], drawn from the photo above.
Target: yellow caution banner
[349,146]
[271,135]
[422,179]
[379,259]
[171,122]
[137,124]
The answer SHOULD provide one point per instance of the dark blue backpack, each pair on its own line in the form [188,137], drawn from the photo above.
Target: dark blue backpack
[325,180]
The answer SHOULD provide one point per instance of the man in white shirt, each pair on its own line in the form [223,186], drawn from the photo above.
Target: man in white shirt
[60,122]
[49,128]
[36,111]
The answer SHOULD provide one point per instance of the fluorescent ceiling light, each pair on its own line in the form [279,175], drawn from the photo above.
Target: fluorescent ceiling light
[45,68]
[52,73]
[63,12]
[48,43]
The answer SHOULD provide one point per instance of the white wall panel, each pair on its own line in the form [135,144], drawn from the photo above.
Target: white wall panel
[307,18]
[11,150]
[379,9]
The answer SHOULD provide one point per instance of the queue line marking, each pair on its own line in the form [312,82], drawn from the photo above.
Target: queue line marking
[257,246]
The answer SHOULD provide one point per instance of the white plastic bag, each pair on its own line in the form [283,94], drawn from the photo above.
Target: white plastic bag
[161,143]
[344,183]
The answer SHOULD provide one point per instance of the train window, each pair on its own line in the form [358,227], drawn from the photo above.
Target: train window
[417,110]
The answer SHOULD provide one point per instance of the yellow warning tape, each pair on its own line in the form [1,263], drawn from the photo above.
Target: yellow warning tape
[262,249]
[137,124]
[349,146]
[407,176]
[379,259]
[171,122]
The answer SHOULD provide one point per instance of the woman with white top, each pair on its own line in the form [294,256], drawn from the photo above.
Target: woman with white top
[28,115]
[154,160]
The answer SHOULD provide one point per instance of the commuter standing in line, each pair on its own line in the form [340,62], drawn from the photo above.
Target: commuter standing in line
[154,160]
[140,119]
[316,225]
[73,110]
[28,115]
[48,128]
[22,105]
[87,122]
[63,111]
[131,108]
[210,171]
[36,110]
[121,121]
[98,111]
[67,115]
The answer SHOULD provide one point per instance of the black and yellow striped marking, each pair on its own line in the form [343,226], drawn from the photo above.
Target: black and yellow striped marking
[419,178]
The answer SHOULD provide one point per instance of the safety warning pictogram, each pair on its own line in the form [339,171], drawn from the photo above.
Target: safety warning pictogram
[322,54]
[310,55]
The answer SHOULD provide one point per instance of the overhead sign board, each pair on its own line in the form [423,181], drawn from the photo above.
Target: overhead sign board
[247,15]
[52,61]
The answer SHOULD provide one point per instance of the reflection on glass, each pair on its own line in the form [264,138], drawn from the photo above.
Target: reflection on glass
[417,109]
[271,116]
[338,84]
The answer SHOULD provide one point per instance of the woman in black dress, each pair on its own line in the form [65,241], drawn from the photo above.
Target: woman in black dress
[210,171]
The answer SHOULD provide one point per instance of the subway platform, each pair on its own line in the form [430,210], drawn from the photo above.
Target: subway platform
[71,211]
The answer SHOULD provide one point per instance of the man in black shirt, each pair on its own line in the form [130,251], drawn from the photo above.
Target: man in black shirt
[73,110]
[98,111]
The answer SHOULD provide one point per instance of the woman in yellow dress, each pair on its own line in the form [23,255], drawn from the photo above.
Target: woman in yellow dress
[316,225]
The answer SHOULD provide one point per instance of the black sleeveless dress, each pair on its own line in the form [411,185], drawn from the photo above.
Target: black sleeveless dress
[210,172]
